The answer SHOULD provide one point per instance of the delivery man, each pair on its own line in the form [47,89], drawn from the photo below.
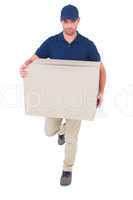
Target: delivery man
[69,45]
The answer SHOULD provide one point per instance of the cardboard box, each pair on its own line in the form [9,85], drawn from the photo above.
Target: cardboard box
[62,88]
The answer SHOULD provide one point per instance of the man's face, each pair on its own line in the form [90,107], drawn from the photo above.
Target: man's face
[70,26]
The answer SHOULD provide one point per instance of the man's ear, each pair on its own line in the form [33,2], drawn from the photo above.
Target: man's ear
[78,20]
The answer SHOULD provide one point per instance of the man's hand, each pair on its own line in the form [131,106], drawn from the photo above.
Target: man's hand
[102,81]
[24,68]
[99,100]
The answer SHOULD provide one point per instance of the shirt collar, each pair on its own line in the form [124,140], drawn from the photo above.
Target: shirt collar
[61,37]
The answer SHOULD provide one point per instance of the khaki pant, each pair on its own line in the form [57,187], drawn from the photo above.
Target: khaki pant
[72,127]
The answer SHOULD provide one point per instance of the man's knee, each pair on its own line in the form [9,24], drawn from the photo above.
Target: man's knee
[71,139]
[49,131]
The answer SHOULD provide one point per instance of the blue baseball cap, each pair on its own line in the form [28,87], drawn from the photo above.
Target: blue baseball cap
[69,12]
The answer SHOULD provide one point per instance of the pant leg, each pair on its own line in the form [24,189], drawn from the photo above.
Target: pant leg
[62,129]
[71,135]
[52,125]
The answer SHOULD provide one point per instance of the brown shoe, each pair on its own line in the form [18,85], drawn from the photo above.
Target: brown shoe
[61,139]
[66,178]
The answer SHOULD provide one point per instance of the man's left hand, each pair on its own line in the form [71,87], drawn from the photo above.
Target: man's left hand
[99,100]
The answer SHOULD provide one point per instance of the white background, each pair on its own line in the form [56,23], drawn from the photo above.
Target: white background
[30,162]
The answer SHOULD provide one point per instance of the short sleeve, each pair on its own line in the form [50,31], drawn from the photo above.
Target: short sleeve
[43,50]
[93,52]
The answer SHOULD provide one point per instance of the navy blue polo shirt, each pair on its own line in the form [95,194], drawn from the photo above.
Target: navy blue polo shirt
[56,47]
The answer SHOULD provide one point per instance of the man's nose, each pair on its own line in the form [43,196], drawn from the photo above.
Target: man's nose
[69,25]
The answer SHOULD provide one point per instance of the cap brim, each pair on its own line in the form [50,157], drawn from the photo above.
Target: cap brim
[68,17]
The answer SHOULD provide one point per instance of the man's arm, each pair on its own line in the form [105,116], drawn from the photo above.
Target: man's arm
[102,82]
[24,68]
[102,79]
[30,60]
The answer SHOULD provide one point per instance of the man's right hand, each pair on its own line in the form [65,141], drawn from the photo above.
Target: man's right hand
[23,70]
